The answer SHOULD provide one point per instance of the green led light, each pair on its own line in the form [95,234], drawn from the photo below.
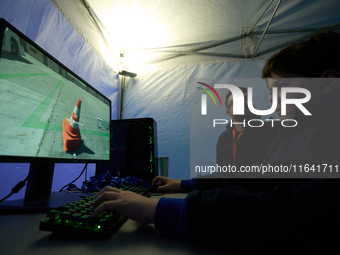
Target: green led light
[68,222]
[150,145]
[97,228]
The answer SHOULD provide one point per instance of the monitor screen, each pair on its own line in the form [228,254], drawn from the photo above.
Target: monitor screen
[47,112]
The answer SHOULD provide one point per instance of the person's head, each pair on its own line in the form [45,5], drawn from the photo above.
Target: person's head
[316,57]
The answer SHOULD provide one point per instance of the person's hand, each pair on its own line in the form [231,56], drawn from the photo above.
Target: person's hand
[170,185]
[136,207]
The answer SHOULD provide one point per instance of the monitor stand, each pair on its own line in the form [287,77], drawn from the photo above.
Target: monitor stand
[39,182]
[38,196]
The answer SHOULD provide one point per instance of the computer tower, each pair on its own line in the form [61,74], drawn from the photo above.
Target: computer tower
[133,149]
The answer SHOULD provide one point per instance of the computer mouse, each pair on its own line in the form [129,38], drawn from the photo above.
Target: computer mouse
[153,188]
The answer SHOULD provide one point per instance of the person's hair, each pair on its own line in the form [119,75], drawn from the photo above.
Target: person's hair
[310,58]
[244,90]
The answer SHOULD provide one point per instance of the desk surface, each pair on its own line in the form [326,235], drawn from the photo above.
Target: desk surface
[20,235]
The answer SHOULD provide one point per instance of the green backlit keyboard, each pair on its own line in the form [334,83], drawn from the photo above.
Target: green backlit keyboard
[75,218]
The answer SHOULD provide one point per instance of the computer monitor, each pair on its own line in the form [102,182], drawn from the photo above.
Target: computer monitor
[48,114]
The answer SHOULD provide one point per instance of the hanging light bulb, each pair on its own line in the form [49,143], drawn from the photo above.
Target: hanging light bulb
[122,67]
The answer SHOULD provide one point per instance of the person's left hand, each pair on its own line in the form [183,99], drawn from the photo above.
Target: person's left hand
[136,207]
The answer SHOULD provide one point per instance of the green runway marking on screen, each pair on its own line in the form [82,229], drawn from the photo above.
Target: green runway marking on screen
[19,75]
[33,121]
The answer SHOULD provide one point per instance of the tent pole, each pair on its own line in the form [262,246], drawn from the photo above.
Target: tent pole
[265,30]
[202,53]
[121,89]
[294,30]
[263,12]
[296,40]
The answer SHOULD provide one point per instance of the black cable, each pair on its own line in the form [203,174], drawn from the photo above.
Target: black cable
[22,184]
[86,175]
[17,187]
[6,197]
[85,167]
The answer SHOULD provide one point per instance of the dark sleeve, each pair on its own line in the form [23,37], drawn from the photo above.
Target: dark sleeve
[215,182]
[170,216]
[224,152]
[188,185]
[253,185]
[237,219]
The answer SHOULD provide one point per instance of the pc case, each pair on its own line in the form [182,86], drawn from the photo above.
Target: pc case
[134,149]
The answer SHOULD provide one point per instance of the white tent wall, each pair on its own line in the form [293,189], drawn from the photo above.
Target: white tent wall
[164,96]
[42,22]
[67,30]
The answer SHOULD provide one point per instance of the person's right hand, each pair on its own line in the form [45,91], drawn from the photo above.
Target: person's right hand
[136,207]
[170,185]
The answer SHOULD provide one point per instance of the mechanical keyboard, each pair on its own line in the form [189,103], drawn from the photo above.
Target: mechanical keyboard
[75,218]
